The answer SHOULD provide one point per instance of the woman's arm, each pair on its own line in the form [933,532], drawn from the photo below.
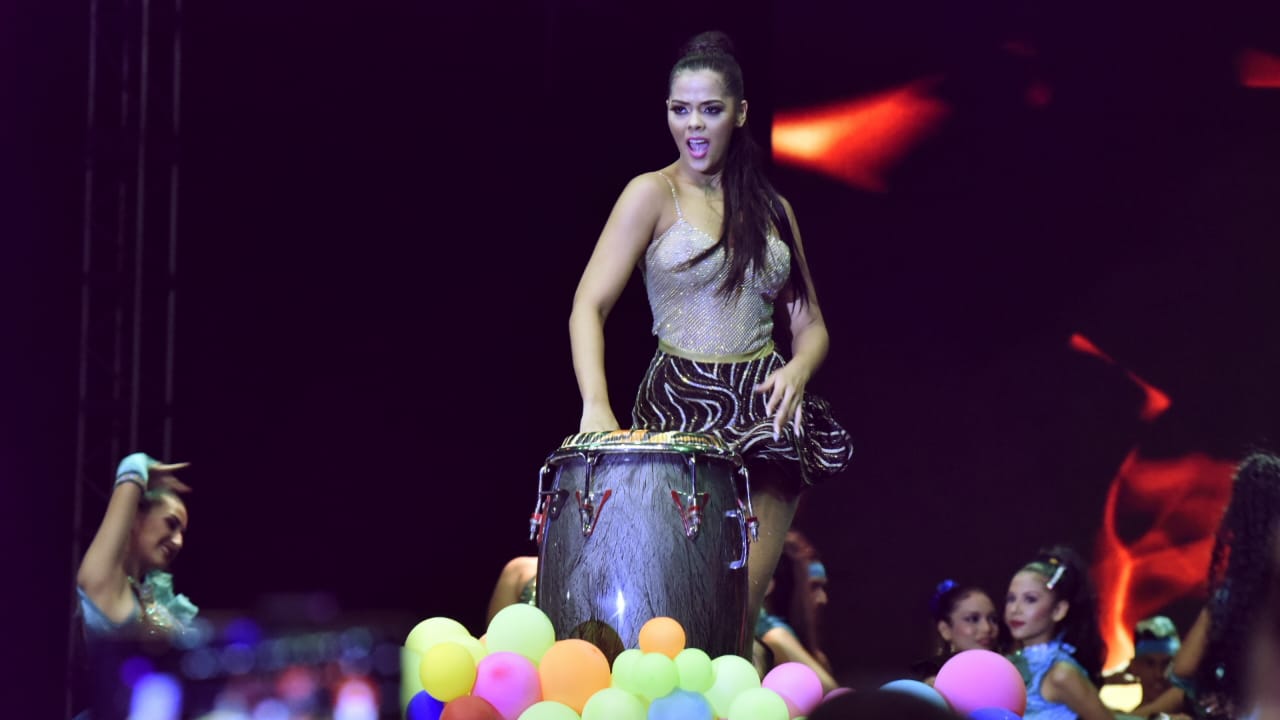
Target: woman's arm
[511,582]
[1065,684]
[626,235]
[1185,664]
[786,647]
[809,343]
[102,575]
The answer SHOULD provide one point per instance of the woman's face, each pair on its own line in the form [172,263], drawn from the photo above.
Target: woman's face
[158,532]
[1030,609]
[972,624]
[702,118]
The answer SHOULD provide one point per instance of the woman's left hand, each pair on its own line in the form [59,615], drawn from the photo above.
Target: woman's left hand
[786,389]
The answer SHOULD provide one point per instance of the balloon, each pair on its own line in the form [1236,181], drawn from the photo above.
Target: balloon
[978,679]
[918,689]
[423,707]
[693,667]
[797,684]
[447,671]
[680,705]
[509,682]
[731,675]
[469,707]
[433,630]
[410,683]
[520,628]
[549,710]
[662,635]
[994,713]
[572,671]
[758,704]
[624,670]
[613,704]
[655,675]
[835,693]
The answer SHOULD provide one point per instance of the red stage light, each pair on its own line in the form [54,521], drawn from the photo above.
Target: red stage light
[1177,503]
[1258,69]
[858,141]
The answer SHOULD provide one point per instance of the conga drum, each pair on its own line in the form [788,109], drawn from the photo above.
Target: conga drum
[634,524]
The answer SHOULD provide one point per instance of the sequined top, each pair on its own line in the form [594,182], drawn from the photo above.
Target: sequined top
[159,613]
[1034,663]
[690,316]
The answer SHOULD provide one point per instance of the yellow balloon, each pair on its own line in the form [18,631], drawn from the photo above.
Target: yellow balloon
[447,671]
[433,630]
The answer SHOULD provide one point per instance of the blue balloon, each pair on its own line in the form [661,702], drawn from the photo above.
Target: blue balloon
[423,707]
[681,705]
[920,690]
[994,713]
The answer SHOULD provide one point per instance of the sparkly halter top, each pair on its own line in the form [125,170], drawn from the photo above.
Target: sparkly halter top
[690,316]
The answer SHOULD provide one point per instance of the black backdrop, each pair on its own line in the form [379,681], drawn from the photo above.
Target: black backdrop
[386,206]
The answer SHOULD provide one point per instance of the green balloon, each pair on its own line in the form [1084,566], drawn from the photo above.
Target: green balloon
[694,669]
[549,710]
[522,629]
[614,704]
[624,670]
[410,683]
[656,675]
[434,630]
[759,704]
[732,675]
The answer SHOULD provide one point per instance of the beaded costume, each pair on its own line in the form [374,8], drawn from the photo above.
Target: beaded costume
[713,349]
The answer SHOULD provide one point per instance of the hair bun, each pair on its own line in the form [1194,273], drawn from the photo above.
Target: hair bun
[712,42]
[944,587]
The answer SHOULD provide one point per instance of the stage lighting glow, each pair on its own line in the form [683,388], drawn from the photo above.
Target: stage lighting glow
[1177,503]
[356,700]
[1258,69]
[156,696]
[859,141]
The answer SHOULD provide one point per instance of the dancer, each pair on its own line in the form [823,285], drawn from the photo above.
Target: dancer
[518,583]
[964,618]
[717,246]
[1211,669]
[1051,611]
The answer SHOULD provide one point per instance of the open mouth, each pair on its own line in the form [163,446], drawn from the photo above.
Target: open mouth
[698,147]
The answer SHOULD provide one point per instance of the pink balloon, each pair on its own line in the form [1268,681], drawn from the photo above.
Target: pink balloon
[976,679]
[798,685]
[837,692]
[509,682]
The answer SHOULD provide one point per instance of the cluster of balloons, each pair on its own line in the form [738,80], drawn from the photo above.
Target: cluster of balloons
[519,671]
[978,684]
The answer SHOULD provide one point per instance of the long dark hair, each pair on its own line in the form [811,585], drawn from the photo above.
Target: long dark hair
[1240,574]
[751,205]
[1067,577]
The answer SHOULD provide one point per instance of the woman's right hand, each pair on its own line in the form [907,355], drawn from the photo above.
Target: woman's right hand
[597,418]
[160,476]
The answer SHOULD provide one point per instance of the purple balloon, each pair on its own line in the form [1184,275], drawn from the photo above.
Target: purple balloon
[423,707]
[994,713]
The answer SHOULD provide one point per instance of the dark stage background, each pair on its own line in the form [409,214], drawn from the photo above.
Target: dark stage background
[386,206]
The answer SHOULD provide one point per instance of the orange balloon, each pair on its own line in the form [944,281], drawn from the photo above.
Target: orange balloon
[662,635]
[572,671]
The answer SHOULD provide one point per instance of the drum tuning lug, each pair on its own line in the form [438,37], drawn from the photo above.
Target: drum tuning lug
[690,506]
[589,509]
[753,525]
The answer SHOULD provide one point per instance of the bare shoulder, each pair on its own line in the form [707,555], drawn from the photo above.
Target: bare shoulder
[523,566]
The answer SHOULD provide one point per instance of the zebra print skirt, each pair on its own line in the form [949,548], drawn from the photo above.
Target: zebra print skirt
[716,398]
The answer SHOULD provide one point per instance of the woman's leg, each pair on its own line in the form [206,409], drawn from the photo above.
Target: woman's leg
[774,496]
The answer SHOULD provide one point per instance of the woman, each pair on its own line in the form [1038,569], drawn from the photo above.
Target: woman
[123,590]
[1211,669]
[1051,612]
[964,618]
[719,246]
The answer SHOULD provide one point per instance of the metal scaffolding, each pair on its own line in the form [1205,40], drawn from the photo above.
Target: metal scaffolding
[129,261]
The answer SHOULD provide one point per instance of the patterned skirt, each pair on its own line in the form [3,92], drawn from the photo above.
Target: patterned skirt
[716,398]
